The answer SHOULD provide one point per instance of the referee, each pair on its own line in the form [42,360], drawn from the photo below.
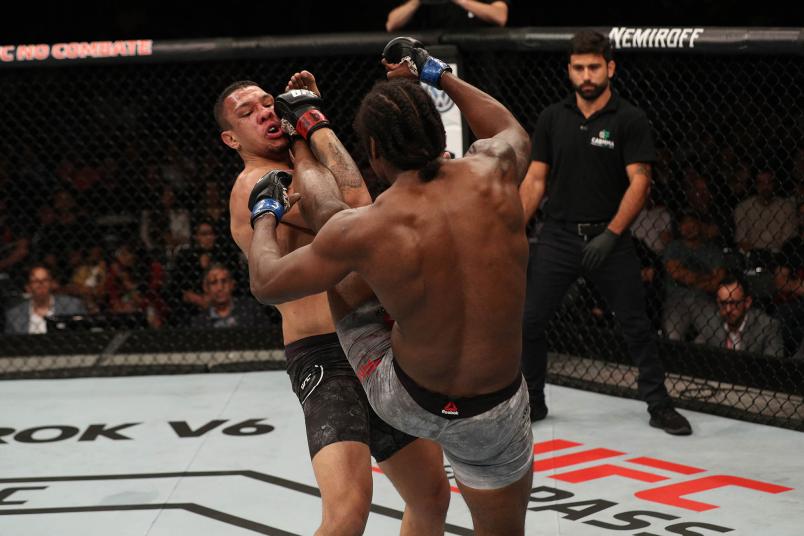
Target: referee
[596,149]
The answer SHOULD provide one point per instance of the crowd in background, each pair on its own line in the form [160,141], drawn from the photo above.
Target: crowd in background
[159,250]
[714,225]
[165,253]
[148,238]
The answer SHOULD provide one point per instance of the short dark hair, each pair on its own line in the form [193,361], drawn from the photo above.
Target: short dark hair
[590,42]
[203,221]
[215,266]
[735,279]
[406,127]
[217,110]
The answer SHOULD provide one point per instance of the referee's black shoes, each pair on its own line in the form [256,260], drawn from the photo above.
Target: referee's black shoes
[666,417]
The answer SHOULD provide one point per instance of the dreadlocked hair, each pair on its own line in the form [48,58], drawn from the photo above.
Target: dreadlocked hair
[406,128]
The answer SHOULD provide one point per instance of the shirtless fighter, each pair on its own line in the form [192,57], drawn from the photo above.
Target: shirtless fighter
[444,252]
[342,429]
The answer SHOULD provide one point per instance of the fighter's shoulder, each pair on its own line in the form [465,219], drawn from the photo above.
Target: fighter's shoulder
[352,220]
[348,230]
[248,178]
[488,154]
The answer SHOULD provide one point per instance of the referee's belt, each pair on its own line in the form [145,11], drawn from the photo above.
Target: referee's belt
[585,230]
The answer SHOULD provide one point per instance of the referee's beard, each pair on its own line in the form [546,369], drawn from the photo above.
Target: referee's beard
[589,90]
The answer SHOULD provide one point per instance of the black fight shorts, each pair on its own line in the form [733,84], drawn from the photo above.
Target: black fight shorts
[334,403]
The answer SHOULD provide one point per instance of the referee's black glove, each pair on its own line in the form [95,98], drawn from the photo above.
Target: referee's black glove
[596,251]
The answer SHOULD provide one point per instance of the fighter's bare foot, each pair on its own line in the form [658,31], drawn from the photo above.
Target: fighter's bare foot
[303,80]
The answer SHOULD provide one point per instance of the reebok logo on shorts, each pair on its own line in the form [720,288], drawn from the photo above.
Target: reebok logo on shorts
[366,370]
[450,409]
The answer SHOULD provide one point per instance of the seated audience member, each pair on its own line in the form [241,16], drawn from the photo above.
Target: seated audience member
[738,326]
[185,292]
[133,285]
[226,310]
[693,269]
[789,285]
[88,278]
[165,227]
[715,218]
[447,14]
[738,185]
[69,230]
[653,225]
[29,316]
[15,243]
[764,221]
[122,282]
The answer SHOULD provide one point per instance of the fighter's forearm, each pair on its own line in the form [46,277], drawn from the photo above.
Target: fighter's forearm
[321,196]
[331,153]
[633,200]
[264,253]
[485,115]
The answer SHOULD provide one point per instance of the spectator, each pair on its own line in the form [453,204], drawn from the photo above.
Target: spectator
[213,208]
[693,267]
[71,230]
[186,276]
[29,316]
[738,185]
[134,285]
[738,326]
[88,279]
[14,245]
[653,225]
[453,14]
[764,221]
[225,310]
[166,227]
[177,169]
[716,225]
[789,284]
[122,283]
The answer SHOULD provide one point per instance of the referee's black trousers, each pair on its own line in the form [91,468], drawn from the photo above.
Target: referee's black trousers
[555,263]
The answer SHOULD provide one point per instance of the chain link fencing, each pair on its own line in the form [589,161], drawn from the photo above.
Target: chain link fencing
[114,193]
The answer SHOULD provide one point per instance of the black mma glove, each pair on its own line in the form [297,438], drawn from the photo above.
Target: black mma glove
[596,251]
[300,108]
[422,64]
[270,195]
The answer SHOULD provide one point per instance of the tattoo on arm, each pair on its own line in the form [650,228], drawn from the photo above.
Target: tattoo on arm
[337,159]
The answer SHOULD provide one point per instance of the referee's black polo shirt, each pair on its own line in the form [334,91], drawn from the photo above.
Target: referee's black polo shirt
[587,157]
